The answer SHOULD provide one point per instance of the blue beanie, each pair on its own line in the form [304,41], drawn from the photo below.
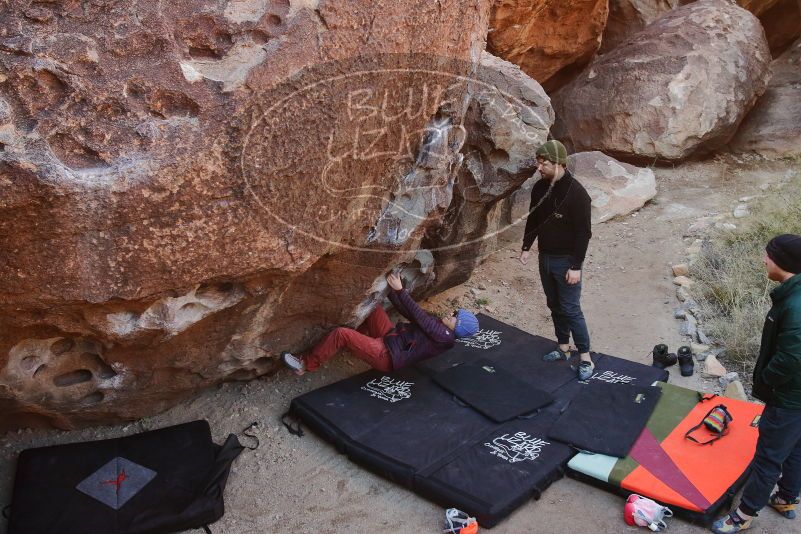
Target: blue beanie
[466,324]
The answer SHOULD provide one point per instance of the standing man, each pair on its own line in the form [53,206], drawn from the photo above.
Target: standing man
[777,381]
[560,217]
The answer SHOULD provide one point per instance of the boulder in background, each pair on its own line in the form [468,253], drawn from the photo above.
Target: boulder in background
[773,128]
[675,89]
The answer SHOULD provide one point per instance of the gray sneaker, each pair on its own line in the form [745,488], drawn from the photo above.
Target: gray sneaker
[293,362]
[556,355]
[585,370]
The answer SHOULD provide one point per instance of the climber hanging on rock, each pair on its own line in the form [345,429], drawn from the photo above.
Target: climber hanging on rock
[386,347]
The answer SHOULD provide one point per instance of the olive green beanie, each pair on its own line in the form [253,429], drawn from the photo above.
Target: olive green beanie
[553,151]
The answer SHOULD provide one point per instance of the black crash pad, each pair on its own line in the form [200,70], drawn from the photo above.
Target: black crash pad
[397,425]
[492,390]
[161,481]
[408,429]
[495,475]
[606,418]
[517,351]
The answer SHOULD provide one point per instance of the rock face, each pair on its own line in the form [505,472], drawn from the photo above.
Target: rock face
[757,7]
[616,188]
[551,40]
[780,18]
[773,128]
[185,192]
[499,157]
[627,17]
[782,22]
[681,86]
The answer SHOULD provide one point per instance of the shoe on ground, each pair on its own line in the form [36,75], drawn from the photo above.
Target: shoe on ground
[729,524]
[585,370]
[663,358]
[660,350]
[555,356]
[787,509]
[293,362]
[686,363]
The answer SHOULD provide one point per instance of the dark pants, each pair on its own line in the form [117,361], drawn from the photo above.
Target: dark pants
[563,301]
[778,454]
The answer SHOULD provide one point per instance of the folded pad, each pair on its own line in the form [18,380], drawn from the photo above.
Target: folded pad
[695,481]
[162,481]
[606,418]
[518,352]
[493,391]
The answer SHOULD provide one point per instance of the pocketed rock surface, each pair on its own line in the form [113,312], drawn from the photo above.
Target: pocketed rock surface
[187,191]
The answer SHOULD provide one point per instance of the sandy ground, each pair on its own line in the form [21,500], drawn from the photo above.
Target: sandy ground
[302,485]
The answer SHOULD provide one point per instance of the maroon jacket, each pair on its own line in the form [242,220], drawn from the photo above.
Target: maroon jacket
[423,338]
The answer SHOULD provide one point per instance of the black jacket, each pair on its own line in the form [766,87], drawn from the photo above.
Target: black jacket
[560,218]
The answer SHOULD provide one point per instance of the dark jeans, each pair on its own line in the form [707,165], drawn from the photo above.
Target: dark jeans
[778,453]
[563,301]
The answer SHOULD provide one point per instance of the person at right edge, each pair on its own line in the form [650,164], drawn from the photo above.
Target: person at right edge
[777,381]
[559,218]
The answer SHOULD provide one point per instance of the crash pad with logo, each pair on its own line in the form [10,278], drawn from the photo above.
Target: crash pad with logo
[407,428]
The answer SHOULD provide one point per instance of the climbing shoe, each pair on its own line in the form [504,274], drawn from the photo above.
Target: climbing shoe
[663,358]
[786,508]
[731,523]
[585,370]
[556,355]
[293,362]
[686,364]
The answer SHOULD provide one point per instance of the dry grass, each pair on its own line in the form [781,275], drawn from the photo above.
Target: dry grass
[731,287]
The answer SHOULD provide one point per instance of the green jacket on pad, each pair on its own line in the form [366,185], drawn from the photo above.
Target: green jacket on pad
[777,375]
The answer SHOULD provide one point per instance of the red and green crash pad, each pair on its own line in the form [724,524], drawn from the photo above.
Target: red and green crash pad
[694,480]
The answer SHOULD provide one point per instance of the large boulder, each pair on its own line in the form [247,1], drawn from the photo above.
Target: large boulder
[679,87]
[773,128]
[185,192]
[616,188]
[780,18]
[551,40]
